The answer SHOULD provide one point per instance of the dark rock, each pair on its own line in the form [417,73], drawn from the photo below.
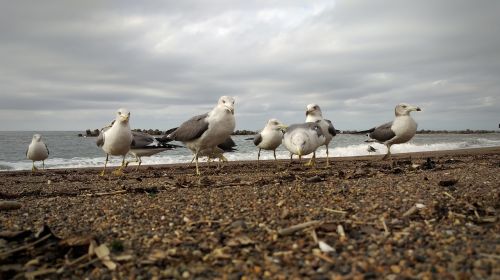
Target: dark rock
[313,179]
[448,182]
[429,164]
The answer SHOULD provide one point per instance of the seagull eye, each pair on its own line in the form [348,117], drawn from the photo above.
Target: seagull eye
[224,101]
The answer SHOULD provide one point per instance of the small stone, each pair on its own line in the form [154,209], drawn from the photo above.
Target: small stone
[395,269]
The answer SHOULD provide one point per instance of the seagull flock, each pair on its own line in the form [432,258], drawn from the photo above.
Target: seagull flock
[209,135]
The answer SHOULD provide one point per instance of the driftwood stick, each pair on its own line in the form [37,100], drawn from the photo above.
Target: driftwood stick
[386,229]
[295,228]
[105,193]
[9,205]
[335,211]
[18,249]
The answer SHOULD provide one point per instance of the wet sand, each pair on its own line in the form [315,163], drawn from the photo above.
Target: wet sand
[423,215]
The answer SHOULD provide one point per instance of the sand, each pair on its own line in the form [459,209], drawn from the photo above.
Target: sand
[421,215]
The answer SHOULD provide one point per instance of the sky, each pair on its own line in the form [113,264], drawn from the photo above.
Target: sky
[69,65]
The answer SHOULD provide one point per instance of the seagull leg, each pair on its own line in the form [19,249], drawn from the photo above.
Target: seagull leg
[33,169]
[130,161]
[139,165]
[118,171]
[105,163]
[274,152]
[388,155]
[43,164]
[196,162]
[291,157]
[327,158]
[258,156]
[312,161]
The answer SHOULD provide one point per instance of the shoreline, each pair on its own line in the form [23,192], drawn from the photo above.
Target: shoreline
[395,156]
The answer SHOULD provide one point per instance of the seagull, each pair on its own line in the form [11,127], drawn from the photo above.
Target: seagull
[37,151]
[116,139]
[270,137]
[314,114]
[145,145]
[400,130]
[371,149]
[303,139]
[208,130]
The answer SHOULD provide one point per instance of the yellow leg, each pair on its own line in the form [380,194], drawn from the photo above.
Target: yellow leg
[196,162]
[312,161]
[33,168]
[105,163]
[119,170]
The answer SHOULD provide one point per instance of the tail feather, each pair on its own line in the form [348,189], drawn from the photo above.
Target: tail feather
[365,131]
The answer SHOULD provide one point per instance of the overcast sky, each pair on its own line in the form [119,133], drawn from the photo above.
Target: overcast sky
[69,65]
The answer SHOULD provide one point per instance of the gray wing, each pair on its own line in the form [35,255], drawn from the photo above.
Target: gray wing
[257,139]
[331,129]
[100,138]
[141,140]
[383,133]
[190,129]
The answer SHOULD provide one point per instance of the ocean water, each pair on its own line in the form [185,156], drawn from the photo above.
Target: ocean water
[67,150]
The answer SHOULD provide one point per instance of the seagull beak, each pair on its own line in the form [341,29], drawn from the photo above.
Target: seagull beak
[299,152]
[418,109]
[308,112]
[282,126]
[230,109]
[124,117]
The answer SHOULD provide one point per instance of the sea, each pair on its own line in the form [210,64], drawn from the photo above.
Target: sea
[68,150]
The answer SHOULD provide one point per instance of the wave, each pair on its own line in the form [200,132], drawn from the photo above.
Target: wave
[250,153]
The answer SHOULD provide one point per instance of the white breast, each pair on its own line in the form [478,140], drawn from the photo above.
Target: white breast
[405,128]
[117,140]
[271,139]
[37,151]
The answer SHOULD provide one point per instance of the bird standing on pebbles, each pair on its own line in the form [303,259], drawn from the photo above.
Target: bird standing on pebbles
[37,151]
[270,137]
[314,114]
[400,130]
[303,139]
[116,140]
[206,131]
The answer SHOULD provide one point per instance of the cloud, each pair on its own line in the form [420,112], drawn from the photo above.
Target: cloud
[169,60]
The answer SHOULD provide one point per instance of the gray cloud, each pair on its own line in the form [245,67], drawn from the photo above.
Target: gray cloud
[70,65]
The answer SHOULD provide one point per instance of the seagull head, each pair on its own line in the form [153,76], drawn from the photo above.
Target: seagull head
[226,102]
[274,124]
[313,109]
[404,109]
[122,115]
[36,138]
